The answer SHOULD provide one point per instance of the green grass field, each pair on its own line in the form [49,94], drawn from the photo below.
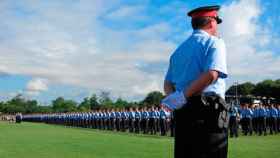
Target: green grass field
[29,140]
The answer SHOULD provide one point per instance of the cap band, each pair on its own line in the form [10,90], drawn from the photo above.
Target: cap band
[204,13]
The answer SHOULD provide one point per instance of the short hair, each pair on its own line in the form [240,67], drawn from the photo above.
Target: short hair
[198,23]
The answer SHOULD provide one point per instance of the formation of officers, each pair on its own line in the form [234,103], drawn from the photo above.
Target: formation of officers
[257,118]
[153,120]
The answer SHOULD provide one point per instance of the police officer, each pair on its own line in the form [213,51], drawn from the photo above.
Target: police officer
[152,120]
[278,118]
[163,121]
[107,119]
[195,85]
[247,115]
[157,119]
[123,120]
[131,119]
[18,117]
[255,118]
[273,114]
[144,120]
[118,119]
[112,119]
[233,121]
[262,115]
[137,124]
[267,116]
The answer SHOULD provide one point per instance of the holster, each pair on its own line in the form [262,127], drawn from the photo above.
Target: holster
[210,111]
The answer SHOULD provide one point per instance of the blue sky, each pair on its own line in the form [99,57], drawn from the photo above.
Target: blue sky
[76,48]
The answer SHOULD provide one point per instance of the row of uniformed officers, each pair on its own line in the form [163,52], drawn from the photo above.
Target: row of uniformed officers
[258,118]
[153,120]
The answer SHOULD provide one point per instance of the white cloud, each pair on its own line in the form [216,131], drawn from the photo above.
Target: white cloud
[35,86]
[124,12]
[249,57]
[151,86]
[70,45]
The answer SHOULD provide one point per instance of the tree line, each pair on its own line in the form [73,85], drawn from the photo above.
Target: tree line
[269,89]
[266,88]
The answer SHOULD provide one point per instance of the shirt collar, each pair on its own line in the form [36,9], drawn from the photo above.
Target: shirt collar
[200,31]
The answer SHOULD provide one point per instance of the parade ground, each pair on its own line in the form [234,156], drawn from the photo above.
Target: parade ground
[31,140]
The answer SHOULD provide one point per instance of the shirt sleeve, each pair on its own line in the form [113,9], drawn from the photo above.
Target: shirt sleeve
[216,58]
[168,76]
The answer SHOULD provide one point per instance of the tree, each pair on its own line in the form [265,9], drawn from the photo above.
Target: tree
[242,89]
[93,100]
[61,105]
[2,106]
[153,98]
[16,104]
[120,103]
[31,106]
[85,105]
[247,88]
[44,109]
[105,99]
[264,88]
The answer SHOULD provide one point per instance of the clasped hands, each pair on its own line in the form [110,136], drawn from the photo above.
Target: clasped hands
[174,101]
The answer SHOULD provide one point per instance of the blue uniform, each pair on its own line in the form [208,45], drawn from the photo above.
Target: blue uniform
[273,112]
[262,115]
[278,120]
[233,124]
[137,115]
[255,113]
[262,112]
[246,122]
[199,53]
[233,112]
[152,114]
[162,114]
[131,115]
[247,113]
[137,121]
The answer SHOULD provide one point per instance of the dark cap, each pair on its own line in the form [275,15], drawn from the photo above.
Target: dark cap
[206,11]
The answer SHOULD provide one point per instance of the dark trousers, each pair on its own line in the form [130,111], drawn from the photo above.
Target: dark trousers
[273,125]
[112,124]
[262,125]
[162,127]
[18,119]
[255,124]
[118,124]
[152,126]
[172,125]
[247,126]
[278,124]
[233,126]
[197,134]
[131,124]
[144,125]
[137,125]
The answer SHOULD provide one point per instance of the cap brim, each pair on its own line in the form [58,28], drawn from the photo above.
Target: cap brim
[219,20]
[214,7]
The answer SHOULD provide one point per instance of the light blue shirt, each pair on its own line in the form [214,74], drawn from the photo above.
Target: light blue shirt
[233,112]
[200,53]
[262,112]
[273,112]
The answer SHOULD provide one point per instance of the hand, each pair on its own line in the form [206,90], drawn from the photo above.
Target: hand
[175,100]
[165,108]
